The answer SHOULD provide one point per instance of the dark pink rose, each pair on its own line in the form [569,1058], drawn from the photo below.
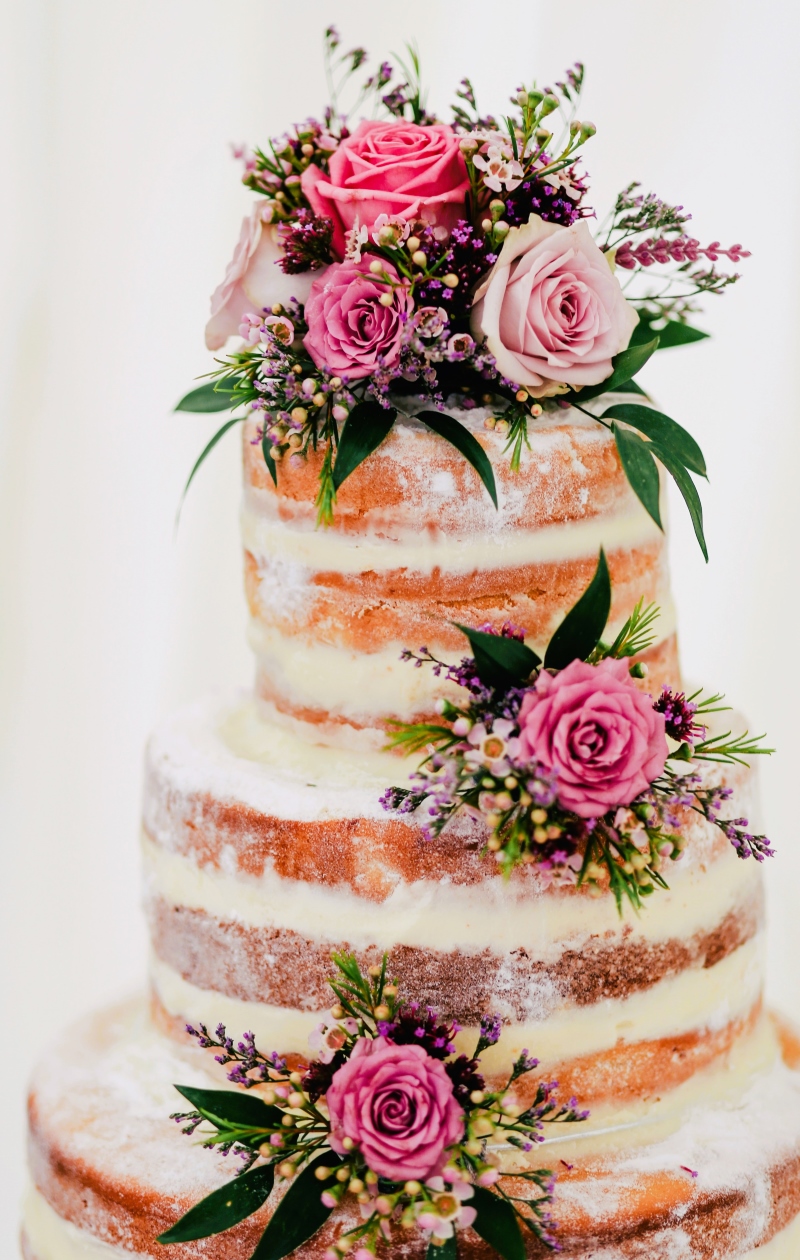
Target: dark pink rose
[349,328]
[396,1104]
[551,311]
[393,168]
[602,736]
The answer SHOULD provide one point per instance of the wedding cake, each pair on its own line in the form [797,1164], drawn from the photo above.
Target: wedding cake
[453,947]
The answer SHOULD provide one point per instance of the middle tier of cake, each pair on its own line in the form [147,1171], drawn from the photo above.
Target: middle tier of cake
[263,854]
[416,545]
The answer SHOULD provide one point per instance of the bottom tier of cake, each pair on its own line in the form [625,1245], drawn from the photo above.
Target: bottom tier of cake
[714,1180]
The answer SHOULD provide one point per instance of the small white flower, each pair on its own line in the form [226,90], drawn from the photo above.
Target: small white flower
[355,241]
[390,230]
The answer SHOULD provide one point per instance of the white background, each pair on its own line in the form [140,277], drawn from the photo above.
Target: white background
[120,206]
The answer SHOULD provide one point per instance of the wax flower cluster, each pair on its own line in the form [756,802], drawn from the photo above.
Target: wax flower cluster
[388,1126]
[567,763]
[457,259]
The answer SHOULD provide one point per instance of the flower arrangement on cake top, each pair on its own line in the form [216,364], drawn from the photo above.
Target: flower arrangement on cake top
[565,761]
[387,1120]
[458,260]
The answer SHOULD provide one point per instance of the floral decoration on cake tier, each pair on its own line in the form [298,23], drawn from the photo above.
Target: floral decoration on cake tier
[460,258]
[386,1119]
[566,761]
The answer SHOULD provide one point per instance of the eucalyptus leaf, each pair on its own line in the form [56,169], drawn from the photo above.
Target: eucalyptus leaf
[497,1224]
[625,365]
[688,489]
[500,662]
[224,1208]
[674,333]
[364,430]
[231,1108]
[266,451]
[447,1250]
[582,628]
[299,1214]
[640,469]
[211,396]
[458,436]
[207,449]
[631,387]
[660,428]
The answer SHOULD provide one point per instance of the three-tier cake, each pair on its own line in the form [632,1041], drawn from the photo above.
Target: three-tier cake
[442,433]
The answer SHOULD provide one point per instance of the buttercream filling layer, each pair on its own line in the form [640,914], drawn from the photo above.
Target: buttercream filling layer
[440,915]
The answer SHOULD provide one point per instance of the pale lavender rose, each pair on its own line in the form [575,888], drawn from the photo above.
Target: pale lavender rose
[551,311]
[597,731]
[396,1104]
[350,330]
[253,280]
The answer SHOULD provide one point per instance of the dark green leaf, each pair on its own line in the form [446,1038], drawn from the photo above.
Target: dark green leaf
[660,428]
[364,430]
[688,489]
[631,387]
[673,333]
[212,396]
[497,1224]
[625,365]
[582,628]
[500,662]
[448,1250]
[231,1107]
[299,1214]
[459,437]
[208,448]
[266,451]
[224,1208]
[640,469]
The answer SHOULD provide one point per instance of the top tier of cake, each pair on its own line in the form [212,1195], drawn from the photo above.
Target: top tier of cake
[417,545]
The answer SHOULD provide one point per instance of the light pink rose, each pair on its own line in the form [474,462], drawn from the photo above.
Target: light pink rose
[550,310]
[253,279]
[396,1103]
[392,168]
[349,329]
[597,731]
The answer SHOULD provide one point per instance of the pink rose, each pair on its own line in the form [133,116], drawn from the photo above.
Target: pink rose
[550,310]
[597,731]
[392,168]
[253,279]
[396,1103]
[349,328]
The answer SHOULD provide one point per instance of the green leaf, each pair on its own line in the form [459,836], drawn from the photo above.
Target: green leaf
[582,628]
[631,387]
[208,448]
[674,333]
[231,1108]
[299,1214]
[640,469]
[266,451]
[447,1250]
[459,437]
[223,1208]
[500,662]
[626,365]
[688,489]
[660,428]
[497,1224]
[364,430]
[212,396]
